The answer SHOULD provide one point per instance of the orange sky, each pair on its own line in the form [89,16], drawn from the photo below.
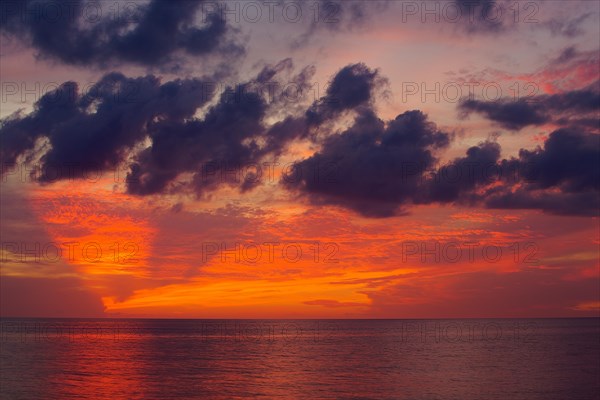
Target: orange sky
[160,262]
[237,255]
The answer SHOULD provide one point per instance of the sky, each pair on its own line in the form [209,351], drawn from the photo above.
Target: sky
[301,159]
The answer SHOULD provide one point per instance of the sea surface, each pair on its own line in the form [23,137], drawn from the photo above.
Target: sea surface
[462,359]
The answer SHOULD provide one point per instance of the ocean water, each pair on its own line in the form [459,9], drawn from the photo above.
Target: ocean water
[300,359]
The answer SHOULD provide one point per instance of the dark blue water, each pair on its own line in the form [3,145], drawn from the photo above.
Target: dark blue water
[300,359]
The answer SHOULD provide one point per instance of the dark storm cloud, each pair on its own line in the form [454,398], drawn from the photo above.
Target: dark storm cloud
[537,110]
[378,166]
[463,175]
[79,33]
[570,160]
[233,134]
[19,133]
[512,115]
[96,130]
[352,86]
[585,204]
[561,178]
[378,169]
[578,101]
[587,124]
[269,71]
[105,127]
[224,139]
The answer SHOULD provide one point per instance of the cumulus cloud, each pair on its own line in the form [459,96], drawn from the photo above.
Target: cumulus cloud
[352,86]
[226,136]
[379,169]
[95,130]
[517,114]
[233,133]
[183,135]
[187,132]
[103,34]
[463,175]
[563,177]
[378,165]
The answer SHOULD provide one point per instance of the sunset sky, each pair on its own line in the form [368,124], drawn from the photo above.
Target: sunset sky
[300,159]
